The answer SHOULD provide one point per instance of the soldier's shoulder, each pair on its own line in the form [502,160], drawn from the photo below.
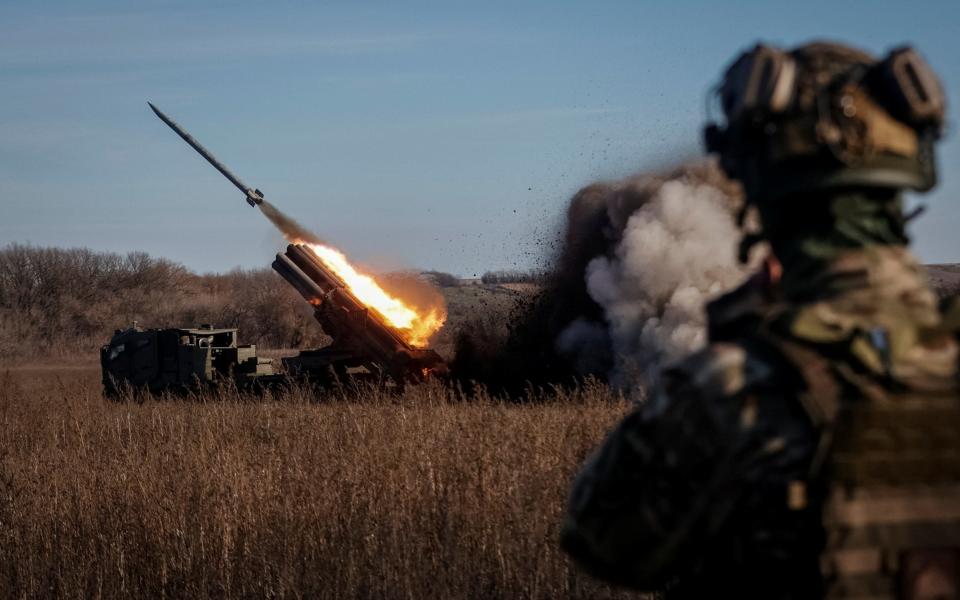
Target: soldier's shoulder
[724,369]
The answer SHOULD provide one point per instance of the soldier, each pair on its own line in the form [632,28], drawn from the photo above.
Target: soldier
[812,448]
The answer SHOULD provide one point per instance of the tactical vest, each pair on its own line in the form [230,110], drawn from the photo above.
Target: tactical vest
[890,466]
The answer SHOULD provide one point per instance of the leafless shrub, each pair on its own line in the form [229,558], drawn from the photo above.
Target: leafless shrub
[62,302]
[499,277]
[441,279]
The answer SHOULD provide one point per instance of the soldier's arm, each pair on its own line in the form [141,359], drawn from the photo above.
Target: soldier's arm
[669,476]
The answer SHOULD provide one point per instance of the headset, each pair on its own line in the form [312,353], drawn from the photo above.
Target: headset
[762,85]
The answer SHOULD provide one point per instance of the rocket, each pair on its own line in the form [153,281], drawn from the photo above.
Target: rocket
[254,196]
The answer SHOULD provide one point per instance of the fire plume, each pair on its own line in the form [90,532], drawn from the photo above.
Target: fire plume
[415,324]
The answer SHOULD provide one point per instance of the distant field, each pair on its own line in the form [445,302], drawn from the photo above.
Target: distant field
[945,279]
[354,496]
[466,303]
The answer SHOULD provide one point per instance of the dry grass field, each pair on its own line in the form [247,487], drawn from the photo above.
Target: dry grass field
[374,495]
[353,494]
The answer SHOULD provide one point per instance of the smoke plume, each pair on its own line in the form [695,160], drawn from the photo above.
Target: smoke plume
[639,259]
[291,229]
[670,247]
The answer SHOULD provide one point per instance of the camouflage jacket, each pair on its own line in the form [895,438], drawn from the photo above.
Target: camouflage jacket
[711,488]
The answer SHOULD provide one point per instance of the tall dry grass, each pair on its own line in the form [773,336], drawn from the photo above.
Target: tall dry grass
[417,496]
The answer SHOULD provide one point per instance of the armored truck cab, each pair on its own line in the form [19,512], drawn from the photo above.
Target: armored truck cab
[178,359]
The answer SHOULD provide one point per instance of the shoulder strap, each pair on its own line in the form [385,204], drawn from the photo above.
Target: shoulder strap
[821,398]
[950,314]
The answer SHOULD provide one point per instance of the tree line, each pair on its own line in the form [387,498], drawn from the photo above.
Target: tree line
[63,301]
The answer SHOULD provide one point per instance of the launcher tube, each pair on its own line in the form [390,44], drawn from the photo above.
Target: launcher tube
[343,316]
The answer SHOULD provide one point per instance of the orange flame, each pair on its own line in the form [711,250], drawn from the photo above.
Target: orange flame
[415,325]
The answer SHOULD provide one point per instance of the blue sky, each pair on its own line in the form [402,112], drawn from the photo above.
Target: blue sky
[418,134]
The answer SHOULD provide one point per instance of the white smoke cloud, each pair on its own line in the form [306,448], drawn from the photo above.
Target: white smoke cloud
[676,251]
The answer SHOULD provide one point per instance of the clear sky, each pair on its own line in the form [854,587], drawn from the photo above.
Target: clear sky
[444,135]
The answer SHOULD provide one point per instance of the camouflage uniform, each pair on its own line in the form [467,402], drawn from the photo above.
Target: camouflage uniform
[716,483]
[812,449]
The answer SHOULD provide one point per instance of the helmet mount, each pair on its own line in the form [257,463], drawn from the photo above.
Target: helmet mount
[826,116]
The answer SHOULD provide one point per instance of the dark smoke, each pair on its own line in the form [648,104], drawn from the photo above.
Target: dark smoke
[638,259]
[290,228]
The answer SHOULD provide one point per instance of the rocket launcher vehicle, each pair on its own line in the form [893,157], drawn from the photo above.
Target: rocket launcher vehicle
[361,337]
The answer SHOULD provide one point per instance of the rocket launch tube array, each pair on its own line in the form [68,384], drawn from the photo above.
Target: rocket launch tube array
[360,325]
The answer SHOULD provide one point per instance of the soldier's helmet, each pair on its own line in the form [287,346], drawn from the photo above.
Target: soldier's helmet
[824,116]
